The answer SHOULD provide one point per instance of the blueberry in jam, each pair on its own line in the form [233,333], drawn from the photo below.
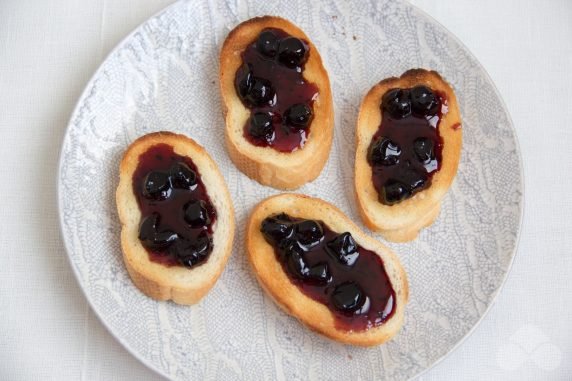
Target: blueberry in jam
[196,213]
[267,43]
[183,177]
[410,182]
[153,238]
[157,185]
[332,269]
[344,248]
[394,191]
[292,52]
[287,246]
[261,126]
[397,103]
[177,215]
[296,263]
[244,80]
[319,274]
[260,93]
[148,227]
[423,101]
[384,152]
[423,148]
[406,150]
[254,91]
[298,267]
[348,297]
[270,82]
[192,252]
[278,228]
[309,233]
[299,116]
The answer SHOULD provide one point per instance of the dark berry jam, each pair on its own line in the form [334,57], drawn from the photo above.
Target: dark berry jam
[177,215]
[332,269]
[271,84]
[407,149]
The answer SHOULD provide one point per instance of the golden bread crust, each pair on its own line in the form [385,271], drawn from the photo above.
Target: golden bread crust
[288,296]
[177,283]
[265,164]
[401,222]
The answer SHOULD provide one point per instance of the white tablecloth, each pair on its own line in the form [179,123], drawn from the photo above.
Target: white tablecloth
[49,50]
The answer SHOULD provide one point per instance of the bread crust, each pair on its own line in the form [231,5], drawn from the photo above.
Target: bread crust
[403,221]
[264,164]
[288,296]
[177,283]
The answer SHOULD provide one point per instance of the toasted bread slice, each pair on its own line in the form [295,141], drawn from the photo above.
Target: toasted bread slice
[402,222]
[264,164]
[177,283]
[287,295]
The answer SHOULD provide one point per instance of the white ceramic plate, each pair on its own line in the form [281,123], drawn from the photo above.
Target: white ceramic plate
[164,76]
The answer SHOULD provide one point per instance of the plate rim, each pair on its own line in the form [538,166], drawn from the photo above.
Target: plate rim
[65,139]
[121,44]
[518,150]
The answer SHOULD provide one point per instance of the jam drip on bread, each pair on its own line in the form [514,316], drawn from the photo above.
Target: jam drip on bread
[177,215]
[332,269]
[406,150]
[271,84]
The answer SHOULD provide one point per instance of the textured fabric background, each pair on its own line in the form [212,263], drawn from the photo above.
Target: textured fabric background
[49,50]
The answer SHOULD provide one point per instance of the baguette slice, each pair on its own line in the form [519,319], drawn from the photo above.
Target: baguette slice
[265,164]
[288,296]
[177,283]
[403,221]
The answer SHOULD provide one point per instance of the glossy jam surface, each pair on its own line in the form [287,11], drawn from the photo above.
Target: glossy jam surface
[406,150]
[177,215]
[332,269]
[270,83]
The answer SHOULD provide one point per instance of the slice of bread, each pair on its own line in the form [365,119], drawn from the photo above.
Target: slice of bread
[402,222]
[264,164]
[177,283]
[287,295]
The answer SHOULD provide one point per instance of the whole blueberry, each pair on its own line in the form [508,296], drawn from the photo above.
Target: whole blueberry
[261,93]
[292,52]
[276,228]
[423,101]
[297,265]
[309,233]
[196,213]
[191,252]
[153,237]
[424,150]
[261,127]
[384,152]
[157,185]
[344,249]
[393,192]
[348,297]
[267,43]
[397,103]
[299,116]
[288,246]
[244,80]
[182,176]
[319,274]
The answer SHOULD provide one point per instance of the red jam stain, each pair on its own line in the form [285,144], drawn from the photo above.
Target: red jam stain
[406,151]
[171,211]
[319,272]
[287,84]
